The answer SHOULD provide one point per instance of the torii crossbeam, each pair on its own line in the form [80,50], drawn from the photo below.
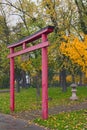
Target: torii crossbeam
[43,45]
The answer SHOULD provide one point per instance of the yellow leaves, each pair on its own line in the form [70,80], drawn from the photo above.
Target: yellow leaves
[76,50]
[69,78]
[56,78]
[50,10]
[65,121]
[26,65]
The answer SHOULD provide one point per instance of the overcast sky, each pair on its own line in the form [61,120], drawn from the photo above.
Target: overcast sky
[16,0]
[14,18]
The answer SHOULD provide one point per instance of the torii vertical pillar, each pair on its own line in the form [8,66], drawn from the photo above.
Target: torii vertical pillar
[44,79]
[12,80]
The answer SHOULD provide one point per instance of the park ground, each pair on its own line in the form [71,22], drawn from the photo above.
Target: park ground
[63,113]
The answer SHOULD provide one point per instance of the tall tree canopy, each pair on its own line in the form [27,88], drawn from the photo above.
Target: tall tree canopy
[67,16]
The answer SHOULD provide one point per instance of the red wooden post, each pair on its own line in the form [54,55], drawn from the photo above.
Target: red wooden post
[12,80]
[40,34]
[44,79]
[24,45]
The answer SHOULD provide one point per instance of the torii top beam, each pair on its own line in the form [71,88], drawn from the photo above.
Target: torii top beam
[33,37]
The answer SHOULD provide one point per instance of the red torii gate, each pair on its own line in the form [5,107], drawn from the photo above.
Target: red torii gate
[44,44]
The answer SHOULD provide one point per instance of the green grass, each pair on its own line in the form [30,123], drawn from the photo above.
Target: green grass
[63,98]
[76,120]
[27,99]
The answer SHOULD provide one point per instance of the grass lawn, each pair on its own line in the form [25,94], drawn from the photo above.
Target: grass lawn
[76,120]
[27,99]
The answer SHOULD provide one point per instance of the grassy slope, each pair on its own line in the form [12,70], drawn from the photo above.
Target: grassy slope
[26,99]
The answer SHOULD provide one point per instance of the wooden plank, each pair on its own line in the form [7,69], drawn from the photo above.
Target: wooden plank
[29,49]
[33,37]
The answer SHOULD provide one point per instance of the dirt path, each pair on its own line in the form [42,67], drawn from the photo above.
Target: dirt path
[8,122]
[31,115]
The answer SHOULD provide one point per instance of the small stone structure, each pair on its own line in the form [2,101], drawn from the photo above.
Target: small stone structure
[73,97]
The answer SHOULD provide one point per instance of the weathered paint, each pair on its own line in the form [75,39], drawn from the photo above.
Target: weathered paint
[33,37]
[12,80]
[40,34]
[29,49]
[44,79]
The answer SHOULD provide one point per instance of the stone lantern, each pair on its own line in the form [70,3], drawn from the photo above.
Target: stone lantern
[73,97]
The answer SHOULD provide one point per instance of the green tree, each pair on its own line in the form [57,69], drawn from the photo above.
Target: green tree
[60,14]
[82,11]
[4,28]
[4,66]
[4,41]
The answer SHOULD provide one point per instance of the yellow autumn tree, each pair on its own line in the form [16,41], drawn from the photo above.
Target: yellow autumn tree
[31,65]
[76,50]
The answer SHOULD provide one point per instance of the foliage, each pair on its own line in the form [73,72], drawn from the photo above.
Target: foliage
[31,65]
[62,19]
[31,16]
[4,65]
[82,11]
[4,28]
[66,121]
[76,50]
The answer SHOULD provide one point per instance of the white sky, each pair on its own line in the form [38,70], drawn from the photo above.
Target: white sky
[16,0]
[14,18]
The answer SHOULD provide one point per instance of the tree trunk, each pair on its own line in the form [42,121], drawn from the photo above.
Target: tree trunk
[73,78]
[37,87]
[80,81]
[17,86]
[63,80]
[23,79]
[37,90]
